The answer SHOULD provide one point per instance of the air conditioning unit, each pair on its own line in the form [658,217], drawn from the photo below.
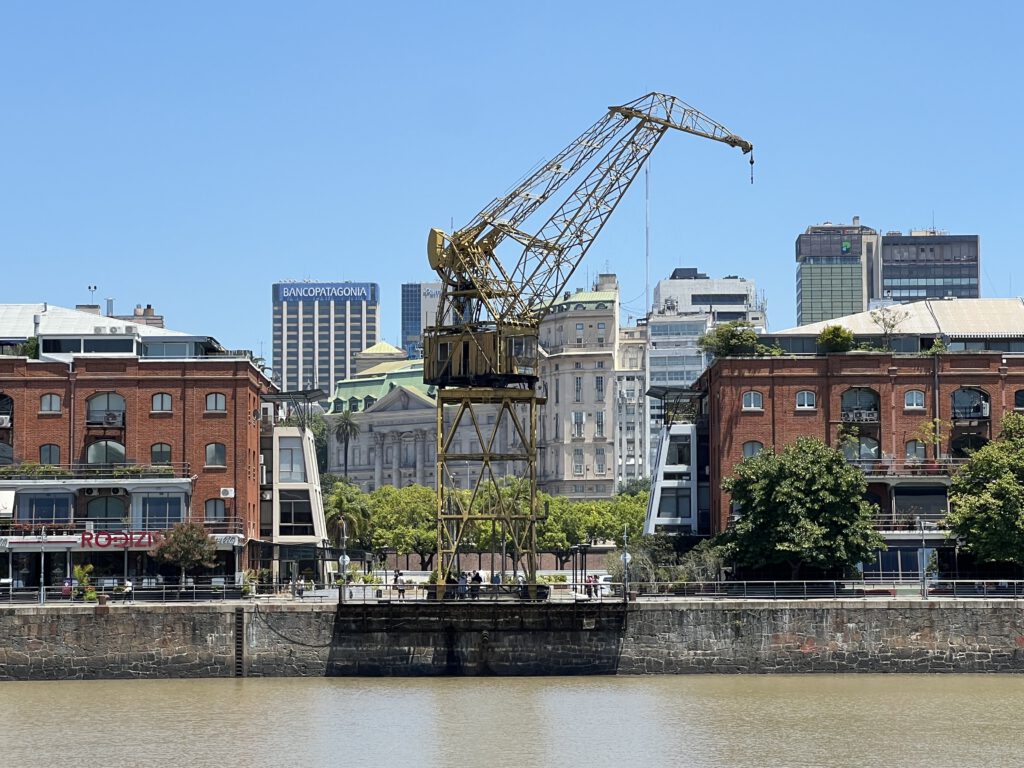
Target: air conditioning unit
[227,493]
[99,329]
[261,458]
[5,421]
[118,492]
[112,418]
[266,495]
[113,329]
[89,523]
[90,491]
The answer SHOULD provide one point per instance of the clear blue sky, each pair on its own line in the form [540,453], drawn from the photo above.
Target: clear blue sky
[189,154]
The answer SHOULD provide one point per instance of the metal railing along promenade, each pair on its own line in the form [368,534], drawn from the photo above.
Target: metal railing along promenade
[514,592]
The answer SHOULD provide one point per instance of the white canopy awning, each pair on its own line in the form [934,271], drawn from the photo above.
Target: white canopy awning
[6,503]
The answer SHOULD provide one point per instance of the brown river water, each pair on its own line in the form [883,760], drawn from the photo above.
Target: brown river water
[874,721]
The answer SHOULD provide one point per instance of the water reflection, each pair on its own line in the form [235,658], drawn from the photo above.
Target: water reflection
[701,721]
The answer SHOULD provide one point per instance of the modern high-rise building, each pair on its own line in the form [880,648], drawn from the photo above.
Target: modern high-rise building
[318,330]
[419,306]
[930,264]
[838,271]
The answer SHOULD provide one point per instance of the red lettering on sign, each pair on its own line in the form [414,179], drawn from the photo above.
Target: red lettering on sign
[103,539]
[86,540]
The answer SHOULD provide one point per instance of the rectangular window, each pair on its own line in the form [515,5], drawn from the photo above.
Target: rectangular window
[296,513]
[290,466]
[599,424]
[578,421]
[599,464]
[599,388]
[674,502]
[579,389]
[44,508]
[577,461]
[160,512]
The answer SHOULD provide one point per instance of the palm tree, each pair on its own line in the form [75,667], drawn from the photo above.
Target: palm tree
[346,428]
[348,513]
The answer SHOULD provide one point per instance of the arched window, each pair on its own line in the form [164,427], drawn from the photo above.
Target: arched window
[49,404]
[106,513]
[215,510]
[216,402]
[49,454]
[914,400]
[915,450]
[106,408]
[806,400]
[752,449]
[160,453]
[860,406]
[216,455]
[753,401]
[161,403]
[105,452]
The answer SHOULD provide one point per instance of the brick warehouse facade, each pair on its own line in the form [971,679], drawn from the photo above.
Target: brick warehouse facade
[881,403]
[126,433]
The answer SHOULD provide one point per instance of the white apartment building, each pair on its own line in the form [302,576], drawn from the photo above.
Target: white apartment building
[579,340]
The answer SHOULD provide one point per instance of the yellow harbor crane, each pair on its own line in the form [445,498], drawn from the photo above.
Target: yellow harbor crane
[482,352]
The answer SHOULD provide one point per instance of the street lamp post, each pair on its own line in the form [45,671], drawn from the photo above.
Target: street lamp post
[42,567]
[921,562]
[343,561]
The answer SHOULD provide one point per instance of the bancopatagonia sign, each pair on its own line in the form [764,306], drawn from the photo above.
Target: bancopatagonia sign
[326,291]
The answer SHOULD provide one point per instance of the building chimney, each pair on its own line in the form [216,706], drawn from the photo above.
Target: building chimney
[110,307]
[856,221]
[149,312]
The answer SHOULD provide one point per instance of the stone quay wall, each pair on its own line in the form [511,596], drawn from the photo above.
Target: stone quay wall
[420,639]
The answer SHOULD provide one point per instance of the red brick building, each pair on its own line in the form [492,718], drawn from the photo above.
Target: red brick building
[105,442]
[880,407]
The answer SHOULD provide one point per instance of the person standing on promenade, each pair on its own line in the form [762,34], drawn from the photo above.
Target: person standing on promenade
[128,594]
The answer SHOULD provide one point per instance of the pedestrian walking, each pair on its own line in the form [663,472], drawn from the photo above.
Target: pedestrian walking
[400,585]
[128,594]
[495,585]
[474,590]
[463,581]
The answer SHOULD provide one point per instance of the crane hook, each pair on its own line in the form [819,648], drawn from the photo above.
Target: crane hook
[751,166]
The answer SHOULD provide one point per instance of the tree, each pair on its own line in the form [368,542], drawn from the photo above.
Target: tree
[569,524]
[836,338]
[804,506]
[346,428]
[348,512]
[735,338]
[987,497]
[933,432]
[404,519]
[635,486]
[888,320]
[187,546]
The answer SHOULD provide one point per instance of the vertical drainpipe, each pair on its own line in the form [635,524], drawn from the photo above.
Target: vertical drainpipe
[935,402]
